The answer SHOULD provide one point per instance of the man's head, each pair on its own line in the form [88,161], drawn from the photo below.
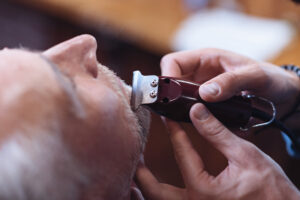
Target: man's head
[66,125]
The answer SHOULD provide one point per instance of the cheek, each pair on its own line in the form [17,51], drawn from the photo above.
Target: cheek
[103,141]
[102,104]
[108,113]
[29,98]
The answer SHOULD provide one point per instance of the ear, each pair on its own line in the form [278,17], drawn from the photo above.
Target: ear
[136,194]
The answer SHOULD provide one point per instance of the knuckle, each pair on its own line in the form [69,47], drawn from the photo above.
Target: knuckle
[230,81]
[214,127]
[259,69]
[167,58]
[220,131]
[230,77]
[252,153]
[248,149]
[260,74]
[263,75]
[178,144]
[179,152]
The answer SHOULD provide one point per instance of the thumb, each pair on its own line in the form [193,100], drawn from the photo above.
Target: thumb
[230,83]
[216,133]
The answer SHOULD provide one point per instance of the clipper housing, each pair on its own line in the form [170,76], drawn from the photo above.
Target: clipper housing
[173,98]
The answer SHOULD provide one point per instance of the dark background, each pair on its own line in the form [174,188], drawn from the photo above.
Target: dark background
[23,26]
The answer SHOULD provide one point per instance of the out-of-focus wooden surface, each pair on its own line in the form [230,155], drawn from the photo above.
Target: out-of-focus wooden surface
[285,9]
[291,54]
[278,9]
[150,23]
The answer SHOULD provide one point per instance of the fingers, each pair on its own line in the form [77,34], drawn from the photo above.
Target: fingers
[186,62]
[227,84]
[179,63]
[154,190]
[223,73]
[189,161]
[219,136]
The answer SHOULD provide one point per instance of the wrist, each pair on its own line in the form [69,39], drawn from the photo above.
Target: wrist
[289,191]
[293,105]
[280,186]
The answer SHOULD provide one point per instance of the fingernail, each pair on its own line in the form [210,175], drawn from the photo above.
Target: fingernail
[201,113]
[210,89]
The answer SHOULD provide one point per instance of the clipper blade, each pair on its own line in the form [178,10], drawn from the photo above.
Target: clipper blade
[144,89]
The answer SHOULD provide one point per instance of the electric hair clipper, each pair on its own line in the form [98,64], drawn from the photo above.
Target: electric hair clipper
[173,98]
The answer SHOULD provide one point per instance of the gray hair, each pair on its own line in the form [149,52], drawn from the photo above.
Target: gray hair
[38,168]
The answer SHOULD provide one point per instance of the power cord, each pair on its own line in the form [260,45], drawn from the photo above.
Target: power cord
[277,124]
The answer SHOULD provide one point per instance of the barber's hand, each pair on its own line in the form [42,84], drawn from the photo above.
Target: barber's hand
[250,173]
[225,74]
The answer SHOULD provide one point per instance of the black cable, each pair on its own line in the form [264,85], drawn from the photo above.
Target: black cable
[277,124]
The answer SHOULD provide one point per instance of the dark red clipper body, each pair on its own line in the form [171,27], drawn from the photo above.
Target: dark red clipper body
[175,98]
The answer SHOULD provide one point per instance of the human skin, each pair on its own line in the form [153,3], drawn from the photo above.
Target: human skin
[67,127]
[250,174]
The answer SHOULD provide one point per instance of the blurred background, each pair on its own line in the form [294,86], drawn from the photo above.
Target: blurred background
[135,34]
